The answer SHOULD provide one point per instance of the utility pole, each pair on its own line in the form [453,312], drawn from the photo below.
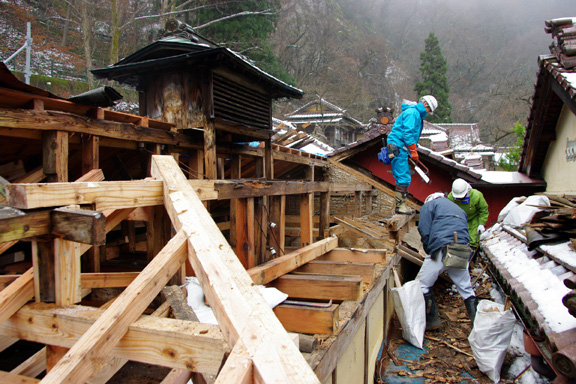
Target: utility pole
[28,46]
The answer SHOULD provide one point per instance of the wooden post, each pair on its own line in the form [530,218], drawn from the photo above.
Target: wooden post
[90,153]
[43,261]
[245,232]
[357,204]
[210,151]
[324,214]
[306,218]
[278,218]
[55,155]
[268,160]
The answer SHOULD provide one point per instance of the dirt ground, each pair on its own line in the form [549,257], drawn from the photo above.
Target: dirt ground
[449,357]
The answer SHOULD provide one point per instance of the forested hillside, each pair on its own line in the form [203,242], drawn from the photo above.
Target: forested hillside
[358,54]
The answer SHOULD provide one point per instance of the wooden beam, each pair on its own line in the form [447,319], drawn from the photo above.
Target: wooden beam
[240,309]
[372,181]
[329,359]
[238,367]
[18,293]
[357,255]
[105,195]
[168,342]
[11,378]
[66,122]
[265,273]
[311,320]
[228,189]
[79,225]
[366,270]
[16,224]
[33,366]
[80,362]
[320,287]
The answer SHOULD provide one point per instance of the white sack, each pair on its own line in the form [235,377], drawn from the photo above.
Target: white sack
[195,299]
[524,212]
[491,336]
[411,311]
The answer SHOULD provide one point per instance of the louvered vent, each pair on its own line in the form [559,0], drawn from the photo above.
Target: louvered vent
[239,104]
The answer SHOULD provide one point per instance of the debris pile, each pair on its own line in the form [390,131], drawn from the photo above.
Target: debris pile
[564,45]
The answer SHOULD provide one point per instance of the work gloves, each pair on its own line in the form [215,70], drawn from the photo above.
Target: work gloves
[481,229]
[413,152]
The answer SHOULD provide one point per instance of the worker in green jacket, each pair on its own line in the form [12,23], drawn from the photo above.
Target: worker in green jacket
[473,203]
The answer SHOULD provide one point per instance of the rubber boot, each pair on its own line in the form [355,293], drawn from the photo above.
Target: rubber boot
[432,319]
[400,195]
[471,305]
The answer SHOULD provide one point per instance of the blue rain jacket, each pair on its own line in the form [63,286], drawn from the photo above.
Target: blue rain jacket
[439,219]
[405,132]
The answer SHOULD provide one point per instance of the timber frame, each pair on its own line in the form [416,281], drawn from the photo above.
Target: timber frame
[132,173]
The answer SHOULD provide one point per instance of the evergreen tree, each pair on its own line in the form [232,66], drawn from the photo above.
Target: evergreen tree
[434,82]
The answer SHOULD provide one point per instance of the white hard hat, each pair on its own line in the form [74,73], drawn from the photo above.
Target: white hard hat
[432,102]
[433,196]
[460,188]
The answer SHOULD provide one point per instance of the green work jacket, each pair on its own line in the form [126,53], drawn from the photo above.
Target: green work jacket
[477,211]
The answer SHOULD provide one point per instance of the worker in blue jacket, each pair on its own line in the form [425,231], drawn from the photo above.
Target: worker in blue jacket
[402,142]
[439,219]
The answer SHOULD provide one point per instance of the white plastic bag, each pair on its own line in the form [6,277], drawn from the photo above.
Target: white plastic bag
[490,337]
[411,311]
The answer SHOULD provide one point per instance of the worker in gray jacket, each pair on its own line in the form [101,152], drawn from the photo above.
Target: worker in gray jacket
[440,220]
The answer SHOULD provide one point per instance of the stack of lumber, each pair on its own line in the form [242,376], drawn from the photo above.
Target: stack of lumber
[564,45]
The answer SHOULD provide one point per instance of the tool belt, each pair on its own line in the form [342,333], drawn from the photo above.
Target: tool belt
[456,255]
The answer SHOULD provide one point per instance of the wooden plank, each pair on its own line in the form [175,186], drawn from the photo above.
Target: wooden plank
[177,376]
[280,266]
[359,227]
[328,360]
[152,340]
[366,270]
[105,195]
[320,287]
[240,309]
[396,222]
[113,324]
[79,225]
[33,366]
[377,256]
[11,378]
[107,280]
[18,293]
[311,320]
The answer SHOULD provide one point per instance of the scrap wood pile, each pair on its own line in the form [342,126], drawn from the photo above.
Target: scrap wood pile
[447,356]
[555,222]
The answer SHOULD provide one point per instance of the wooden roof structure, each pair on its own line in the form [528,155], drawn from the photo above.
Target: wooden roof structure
[84,188]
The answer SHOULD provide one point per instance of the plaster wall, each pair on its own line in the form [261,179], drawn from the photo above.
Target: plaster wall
[559,172]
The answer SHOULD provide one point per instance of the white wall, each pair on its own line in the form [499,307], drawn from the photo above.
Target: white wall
[560,174]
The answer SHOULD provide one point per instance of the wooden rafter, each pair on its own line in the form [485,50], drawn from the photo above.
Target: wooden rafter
[242,313]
